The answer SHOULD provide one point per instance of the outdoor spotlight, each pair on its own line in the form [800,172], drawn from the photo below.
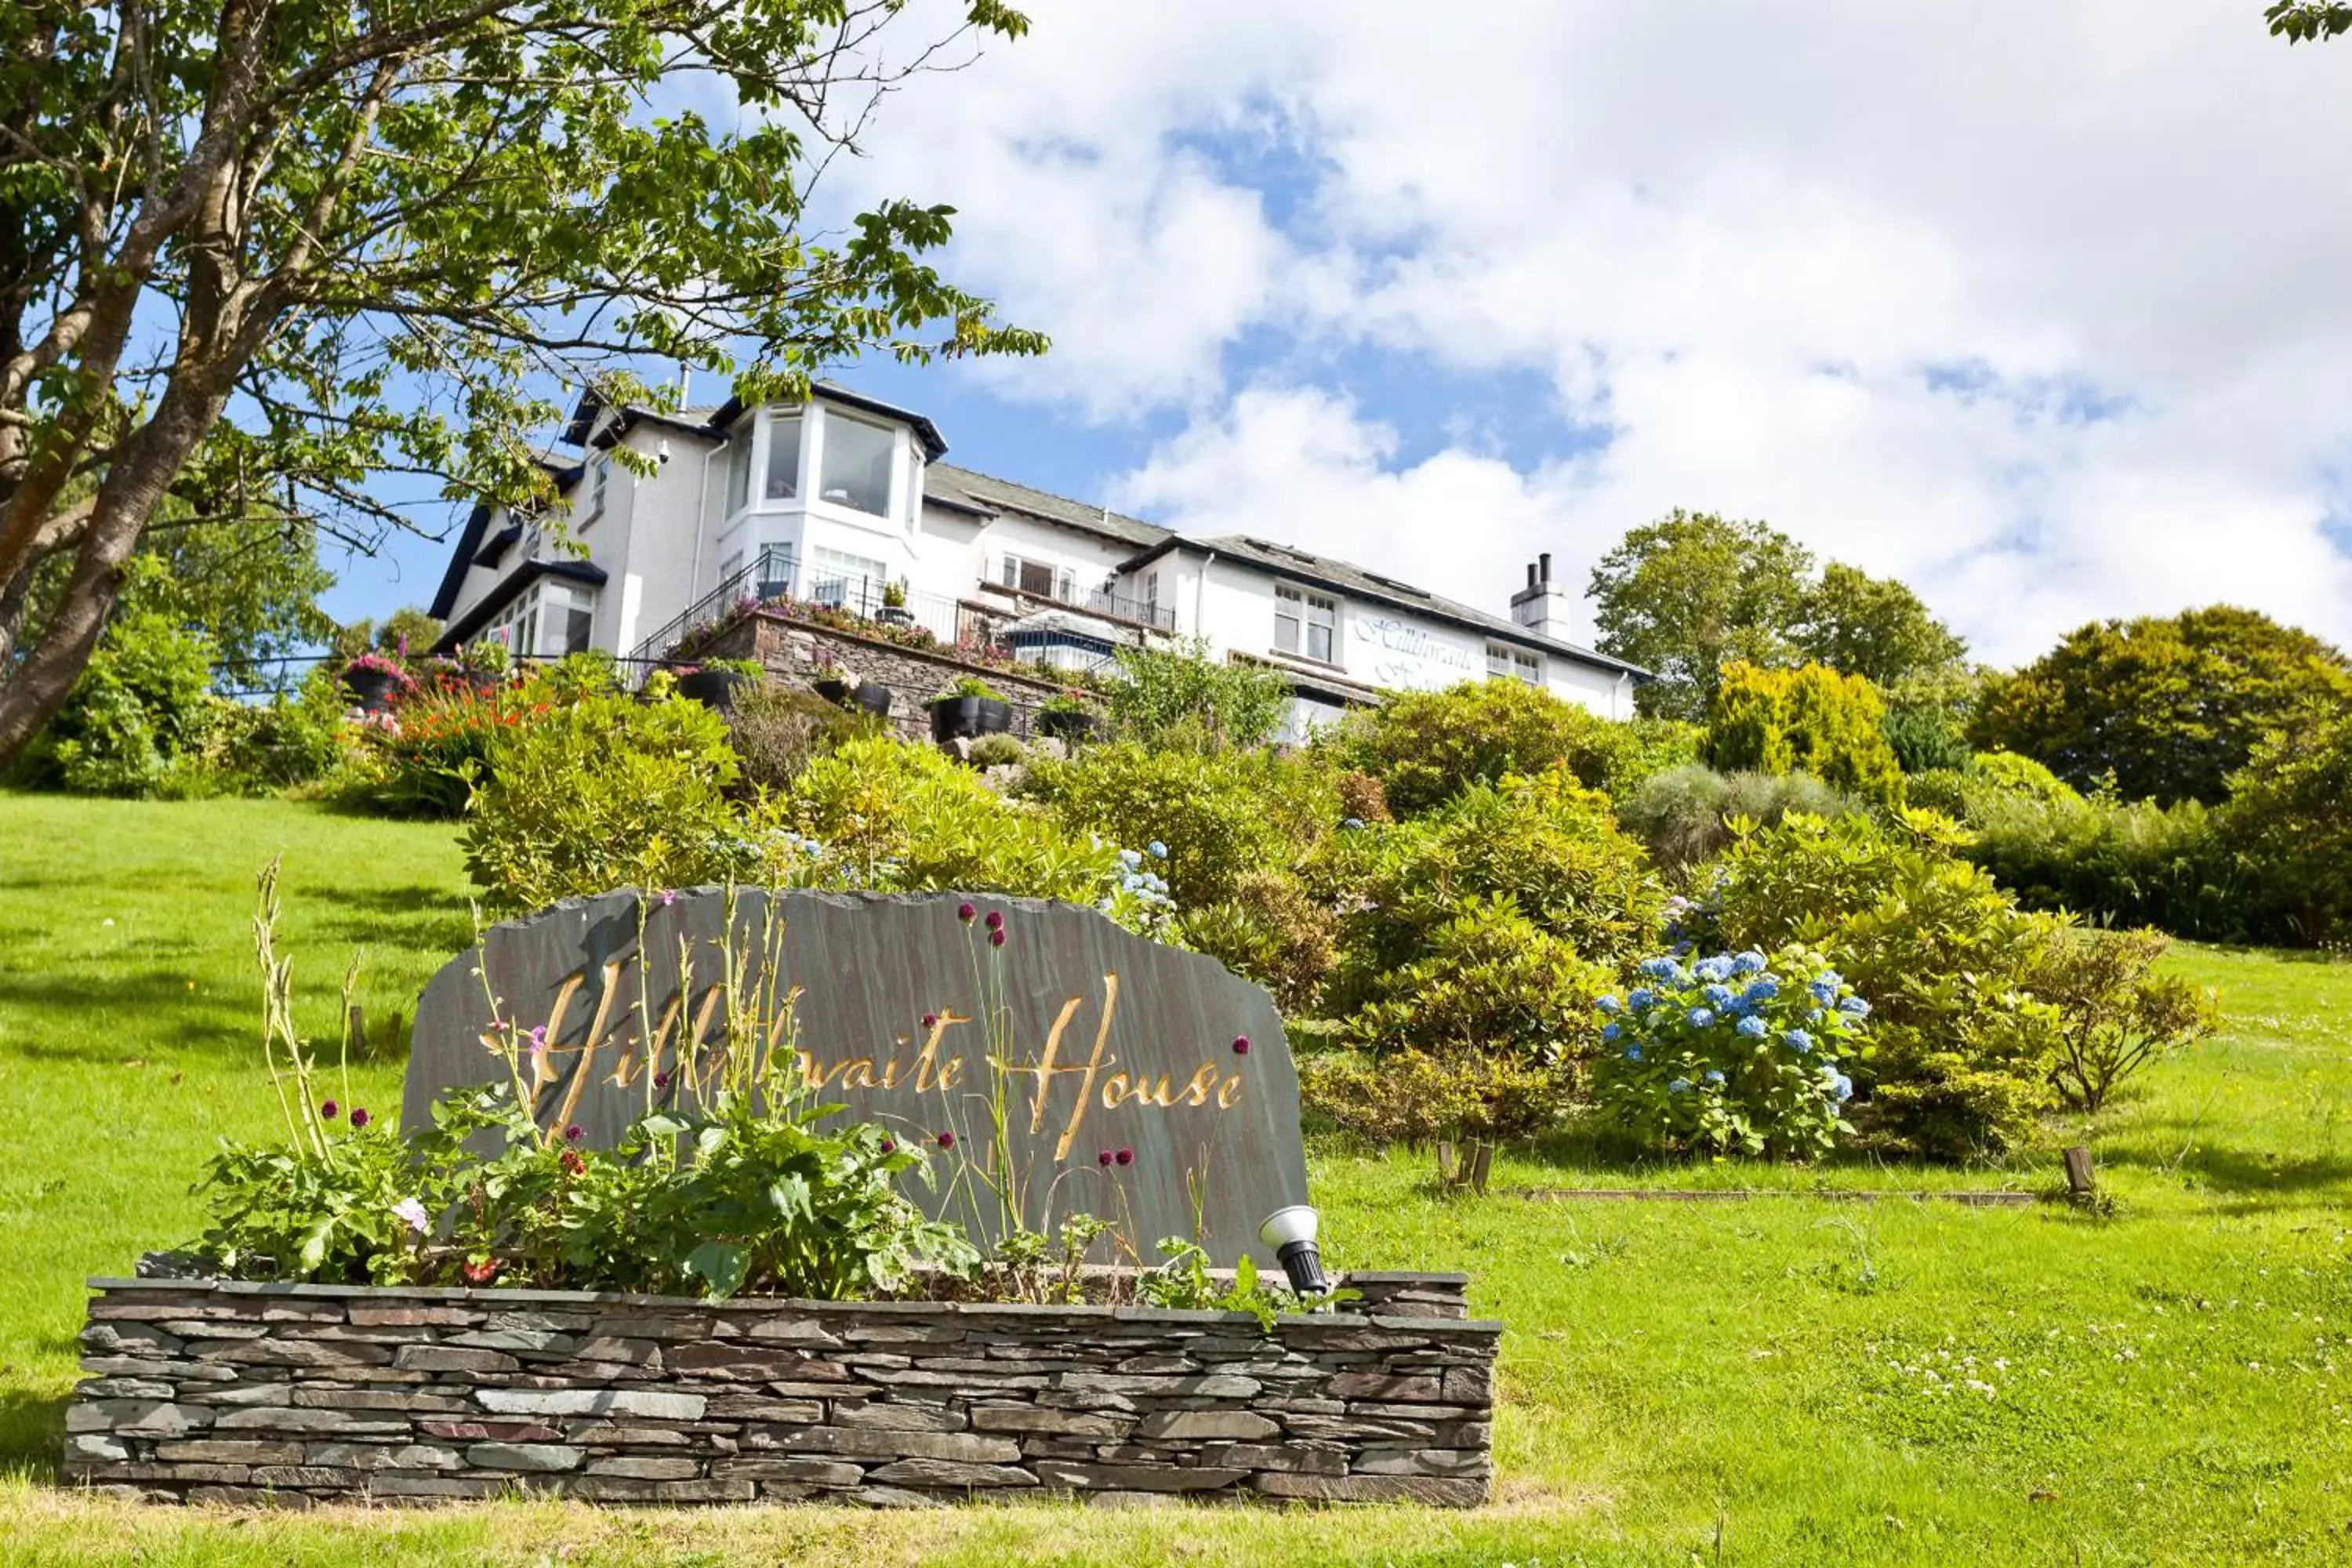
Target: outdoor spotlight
[1291,1233]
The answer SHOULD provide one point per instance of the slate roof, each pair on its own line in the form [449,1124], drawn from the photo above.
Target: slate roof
[1357,582]
[968,488]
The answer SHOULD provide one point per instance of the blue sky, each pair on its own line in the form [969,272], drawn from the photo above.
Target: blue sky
[2020,302]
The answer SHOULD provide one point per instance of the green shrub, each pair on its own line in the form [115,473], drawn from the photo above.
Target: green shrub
[2120,864]
[1552,846]
[2290,822]
[1961,1048]
[2006,773]
[1925,739]
[606,792]
[777,731]
[996,751]
[902,818]
[287,744]
[1181,699]
[1429,746]
[1812,720]
[1220,815]
[1268,930]
[1684,815]
[1414,1097]
[1732,1054]
[143,703]
[1487,980]
[2115,1015]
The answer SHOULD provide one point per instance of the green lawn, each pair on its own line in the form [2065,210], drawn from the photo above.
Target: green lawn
[1782,1381]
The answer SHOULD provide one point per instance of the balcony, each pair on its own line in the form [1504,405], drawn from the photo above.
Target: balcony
[1099,602]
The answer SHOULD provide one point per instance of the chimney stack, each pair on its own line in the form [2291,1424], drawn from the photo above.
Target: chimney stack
[1542,606]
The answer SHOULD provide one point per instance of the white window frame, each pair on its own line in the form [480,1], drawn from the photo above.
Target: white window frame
[599,476]
[768,495]
[891,481]
[1294,628]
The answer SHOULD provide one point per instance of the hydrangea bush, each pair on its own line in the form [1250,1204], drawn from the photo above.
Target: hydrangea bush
[1734,1053]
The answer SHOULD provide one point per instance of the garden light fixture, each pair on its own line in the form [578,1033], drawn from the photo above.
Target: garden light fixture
[1291,1233]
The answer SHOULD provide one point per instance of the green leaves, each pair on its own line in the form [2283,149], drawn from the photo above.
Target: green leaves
[720,1265]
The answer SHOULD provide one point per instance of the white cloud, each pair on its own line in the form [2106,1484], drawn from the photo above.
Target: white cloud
[1741,235]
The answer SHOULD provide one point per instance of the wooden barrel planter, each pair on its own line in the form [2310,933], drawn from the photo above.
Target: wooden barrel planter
[374,690]
[1064,725]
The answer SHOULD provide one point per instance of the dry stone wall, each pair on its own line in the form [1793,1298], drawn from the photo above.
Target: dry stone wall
[224,1392]
[796,651]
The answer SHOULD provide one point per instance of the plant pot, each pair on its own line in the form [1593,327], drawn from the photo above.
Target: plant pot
[968,718]
[833,688]
[1064,725]
[872,697]
[712,688]
[373,689]
[895,616]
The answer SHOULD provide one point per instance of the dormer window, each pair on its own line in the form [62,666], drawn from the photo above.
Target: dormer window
[857,467]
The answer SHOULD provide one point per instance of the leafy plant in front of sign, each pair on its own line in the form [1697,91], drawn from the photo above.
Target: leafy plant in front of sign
[1733,1054]
[343,1199]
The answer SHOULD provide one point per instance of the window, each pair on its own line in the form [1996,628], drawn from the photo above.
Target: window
[1304,623]
[1513,664]
[852,581]
[783,457]
[1042,578]
[729,567]
[546,620]
[1151,595]
[738,467]
[598,476]
[856,465]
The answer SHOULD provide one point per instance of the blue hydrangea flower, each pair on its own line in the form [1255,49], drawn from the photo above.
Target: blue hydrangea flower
[1642,997]
[1679,1086]
[1714,1075]
[1763,988]
[1664,969]
[1611,1031]
[1854,1008]
[1752,1028]
[1130,859]
[1748,962]
[1700,1017]
[1715,969]
[1815,1017]
[1718,995]
[1632,1053]
[1799,1038]
[1158,850]
[1608,1003]
[1825,989]
[1843,1090]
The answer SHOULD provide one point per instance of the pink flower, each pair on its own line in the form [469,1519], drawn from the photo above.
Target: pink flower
[1103,1158]
[360,1118]
[573,1133]
[327,1110]
[1241,1045]
[996,937]
[966,913]
[996,920]
[947,1139]
[1125,1156]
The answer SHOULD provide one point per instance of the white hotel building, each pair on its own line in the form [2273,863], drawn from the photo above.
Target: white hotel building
[843,497]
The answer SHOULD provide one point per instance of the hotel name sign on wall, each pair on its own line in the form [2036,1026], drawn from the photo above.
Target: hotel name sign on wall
[1110,1073]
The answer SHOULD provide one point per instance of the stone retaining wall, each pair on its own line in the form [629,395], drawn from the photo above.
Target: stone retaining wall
[800,652]
[224,1392]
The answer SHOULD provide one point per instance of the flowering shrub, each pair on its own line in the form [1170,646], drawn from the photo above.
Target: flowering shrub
[435,755]
[1732,1054]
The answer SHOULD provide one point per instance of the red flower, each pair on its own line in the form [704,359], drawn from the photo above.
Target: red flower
[573,1163]
[480,1273]
[947,1139]
[1241,1045]
[996,920]
[1125,1156]
[360,1118]
[1103,1158]
[996,939]
[327,1110]
[573,1133]
[965,913]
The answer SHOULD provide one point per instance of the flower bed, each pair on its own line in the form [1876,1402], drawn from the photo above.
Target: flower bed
[220,1391]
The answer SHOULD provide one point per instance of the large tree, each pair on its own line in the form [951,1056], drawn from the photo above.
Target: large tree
[2309,21]
[1873,626]
[1692,592]
[2168,707]
[254,253]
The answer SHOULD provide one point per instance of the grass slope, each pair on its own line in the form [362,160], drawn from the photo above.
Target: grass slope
[1787,1380]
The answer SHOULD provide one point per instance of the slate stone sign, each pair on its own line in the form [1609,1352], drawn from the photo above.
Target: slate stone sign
[1068,1061]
